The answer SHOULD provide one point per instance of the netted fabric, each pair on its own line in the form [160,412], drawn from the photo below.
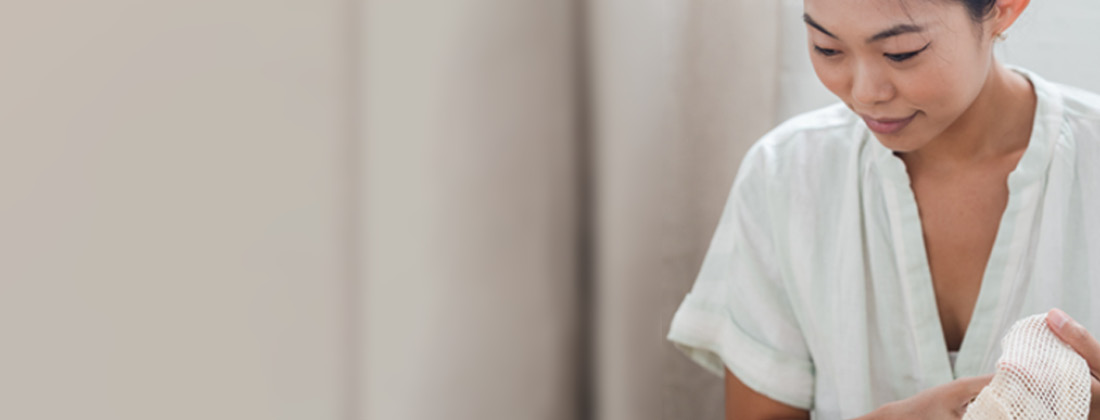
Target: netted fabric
[1038,377]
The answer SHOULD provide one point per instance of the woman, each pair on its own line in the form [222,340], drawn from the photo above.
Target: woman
[872,253]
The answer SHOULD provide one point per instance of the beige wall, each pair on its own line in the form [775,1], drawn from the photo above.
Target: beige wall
[173,210]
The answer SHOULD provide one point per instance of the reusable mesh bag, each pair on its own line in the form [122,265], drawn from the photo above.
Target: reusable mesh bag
[1038,377]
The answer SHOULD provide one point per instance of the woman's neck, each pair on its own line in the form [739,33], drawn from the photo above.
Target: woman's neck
[997,124]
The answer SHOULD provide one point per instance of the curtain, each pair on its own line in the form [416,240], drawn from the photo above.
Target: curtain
[471,194]
[541,182]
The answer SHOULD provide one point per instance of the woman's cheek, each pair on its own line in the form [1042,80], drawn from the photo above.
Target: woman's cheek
[832,76]
[934,86]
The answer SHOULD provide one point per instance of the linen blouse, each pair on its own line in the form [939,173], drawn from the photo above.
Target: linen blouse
[816,290]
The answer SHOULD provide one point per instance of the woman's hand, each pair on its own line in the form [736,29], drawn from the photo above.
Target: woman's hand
[1085,345]
[947,401]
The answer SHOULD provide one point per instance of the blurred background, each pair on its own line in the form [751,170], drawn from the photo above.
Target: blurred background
[385,209]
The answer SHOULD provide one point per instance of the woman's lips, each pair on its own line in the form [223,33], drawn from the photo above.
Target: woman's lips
[887,125]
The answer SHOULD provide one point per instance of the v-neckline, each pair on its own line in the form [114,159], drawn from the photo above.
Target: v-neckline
[920,286]
[1001,266]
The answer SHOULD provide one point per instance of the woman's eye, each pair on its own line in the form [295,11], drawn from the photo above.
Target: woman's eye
[905,56]
[901,57]
[825,51]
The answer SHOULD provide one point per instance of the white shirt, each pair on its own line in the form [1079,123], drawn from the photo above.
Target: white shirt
[816,290]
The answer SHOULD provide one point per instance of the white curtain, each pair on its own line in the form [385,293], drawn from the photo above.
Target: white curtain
[173,210]
[541,182]
[472,206]
[680,90]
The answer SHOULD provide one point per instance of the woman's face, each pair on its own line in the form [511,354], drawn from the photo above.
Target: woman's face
[910,68]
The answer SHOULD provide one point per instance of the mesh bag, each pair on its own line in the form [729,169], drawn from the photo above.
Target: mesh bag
[1038,377]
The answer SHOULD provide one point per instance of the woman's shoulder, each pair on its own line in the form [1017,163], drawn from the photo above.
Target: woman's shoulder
[1079,103]
[1080,119]
[826,135]
[830,123]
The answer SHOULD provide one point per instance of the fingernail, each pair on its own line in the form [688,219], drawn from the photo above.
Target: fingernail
[1058,318]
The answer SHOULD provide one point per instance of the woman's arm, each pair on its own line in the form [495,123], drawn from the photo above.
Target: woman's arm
[947,401]
[742,403]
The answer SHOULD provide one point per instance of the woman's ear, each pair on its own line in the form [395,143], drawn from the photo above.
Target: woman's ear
[1005,13]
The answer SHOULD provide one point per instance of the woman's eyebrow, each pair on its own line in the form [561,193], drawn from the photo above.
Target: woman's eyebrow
[896,30]
[810,21]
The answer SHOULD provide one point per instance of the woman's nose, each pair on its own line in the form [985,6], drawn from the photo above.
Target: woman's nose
[870,86]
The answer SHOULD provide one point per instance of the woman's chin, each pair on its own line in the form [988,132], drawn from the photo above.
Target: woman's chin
[900,143]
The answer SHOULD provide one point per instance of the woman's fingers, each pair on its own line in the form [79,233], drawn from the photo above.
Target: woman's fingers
[968,388]
[1077,337]
[964,391]
[1094,404]
[973,385]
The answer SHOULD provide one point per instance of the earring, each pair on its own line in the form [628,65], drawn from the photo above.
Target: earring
[1001,36]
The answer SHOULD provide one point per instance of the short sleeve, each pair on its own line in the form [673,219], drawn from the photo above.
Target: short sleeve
[738,313]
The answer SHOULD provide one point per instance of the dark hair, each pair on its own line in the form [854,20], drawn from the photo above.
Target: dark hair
[979,9]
